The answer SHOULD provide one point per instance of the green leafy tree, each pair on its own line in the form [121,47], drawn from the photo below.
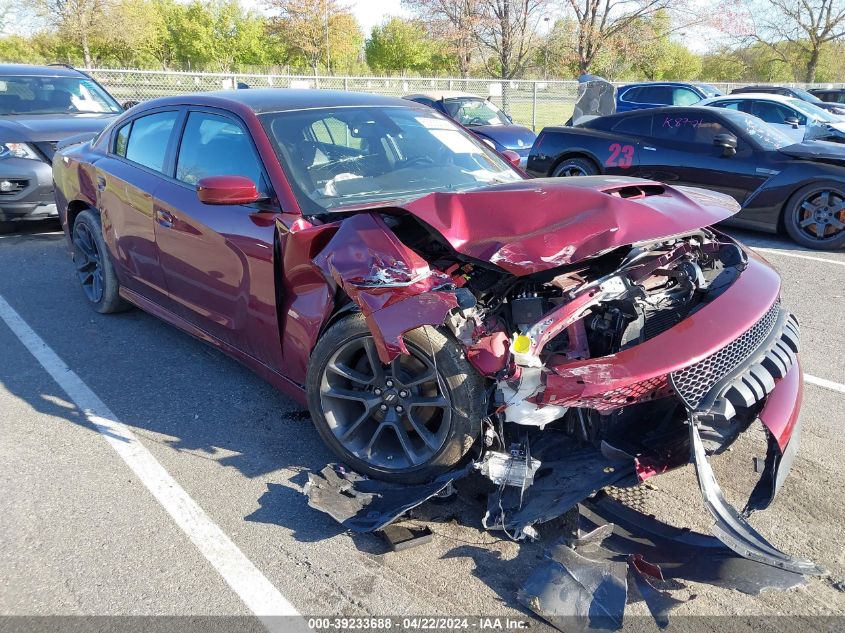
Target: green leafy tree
[399,45]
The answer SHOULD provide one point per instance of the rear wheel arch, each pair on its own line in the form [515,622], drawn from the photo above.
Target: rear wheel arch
[581,155]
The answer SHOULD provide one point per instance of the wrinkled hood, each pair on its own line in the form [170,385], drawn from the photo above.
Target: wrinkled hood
[535,225]
[515,137]
[815,150]
[22,128]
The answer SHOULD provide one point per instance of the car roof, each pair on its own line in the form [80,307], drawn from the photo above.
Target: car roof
[683,84]
[264,100]
[760,88]
[746,96]
[29,70]
[443,94]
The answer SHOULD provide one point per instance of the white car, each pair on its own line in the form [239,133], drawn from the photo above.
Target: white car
[796,118]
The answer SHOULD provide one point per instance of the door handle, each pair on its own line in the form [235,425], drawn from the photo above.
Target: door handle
[164,218]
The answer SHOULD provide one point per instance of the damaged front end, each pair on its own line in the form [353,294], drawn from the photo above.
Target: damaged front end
[619,337]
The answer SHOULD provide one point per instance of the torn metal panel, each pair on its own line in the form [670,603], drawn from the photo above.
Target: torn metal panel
[731,528]
[573,593]
[366,505]
[395,288]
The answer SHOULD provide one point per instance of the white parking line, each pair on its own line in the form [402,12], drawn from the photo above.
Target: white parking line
[777,251]
[824,383]
[245,579]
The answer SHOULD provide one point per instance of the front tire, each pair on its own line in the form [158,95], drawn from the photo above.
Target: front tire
[93,267]
[815,216]
[406,422]
[575,167]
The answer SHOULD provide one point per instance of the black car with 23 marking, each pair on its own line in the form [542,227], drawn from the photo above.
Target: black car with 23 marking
[781,185]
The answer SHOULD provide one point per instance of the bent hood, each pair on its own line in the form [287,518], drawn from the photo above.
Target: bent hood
[536,225]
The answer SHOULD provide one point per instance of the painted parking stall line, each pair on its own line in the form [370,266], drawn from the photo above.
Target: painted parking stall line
[824,383]
[777,251]
[245,579]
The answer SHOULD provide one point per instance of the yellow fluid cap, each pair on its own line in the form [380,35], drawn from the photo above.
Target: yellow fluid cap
[521,343]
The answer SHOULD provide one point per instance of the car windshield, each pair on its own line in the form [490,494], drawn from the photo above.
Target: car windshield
[766,136]
[475,112]
[54,95]
[806,96]
[336,157]
[708,90]
[813,111]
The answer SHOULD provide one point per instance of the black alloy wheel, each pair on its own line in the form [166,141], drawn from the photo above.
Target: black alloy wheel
[815,216]
[89,262]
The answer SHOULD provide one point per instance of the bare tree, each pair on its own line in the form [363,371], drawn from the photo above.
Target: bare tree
[74,18]
[452,21]
[803,25]
[507,29]
[598,22]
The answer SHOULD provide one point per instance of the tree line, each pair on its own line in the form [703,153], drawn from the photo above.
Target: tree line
[759,40]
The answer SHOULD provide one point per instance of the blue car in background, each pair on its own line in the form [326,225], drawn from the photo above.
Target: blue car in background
[655,94]
[483,118]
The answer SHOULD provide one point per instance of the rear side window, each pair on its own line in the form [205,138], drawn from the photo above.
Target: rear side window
[652,94]
[636,126]
[776,113]
[148,139]
[214,145]
[684,96]
[121,139]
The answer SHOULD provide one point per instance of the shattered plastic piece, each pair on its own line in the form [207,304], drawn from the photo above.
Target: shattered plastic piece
[731,528]
[573,593]
[659,602]
[367,505]
[644,567]
[592,539]
[681,553]
[400,537]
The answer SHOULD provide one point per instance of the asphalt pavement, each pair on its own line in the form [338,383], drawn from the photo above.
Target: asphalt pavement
[91,527]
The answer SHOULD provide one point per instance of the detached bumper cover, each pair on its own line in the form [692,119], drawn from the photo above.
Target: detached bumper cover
[780,413]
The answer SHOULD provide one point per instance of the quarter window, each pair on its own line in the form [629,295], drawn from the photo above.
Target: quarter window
[121,139]
[148,139]
[637,126]
[214,145]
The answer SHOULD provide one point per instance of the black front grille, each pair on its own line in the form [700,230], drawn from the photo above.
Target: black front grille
[693,383]
[12,186]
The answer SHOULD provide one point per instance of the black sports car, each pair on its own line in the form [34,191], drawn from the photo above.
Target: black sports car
[797,187]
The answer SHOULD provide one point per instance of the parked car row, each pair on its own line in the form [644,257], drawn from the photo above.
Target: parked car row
[769,171]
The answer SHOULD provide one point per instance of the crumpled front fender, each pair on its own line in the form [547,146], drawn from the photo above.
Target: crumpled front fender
[395,288]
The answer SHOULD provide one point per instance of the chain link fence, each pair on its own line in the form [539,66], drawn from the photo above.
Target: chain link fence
[534,103]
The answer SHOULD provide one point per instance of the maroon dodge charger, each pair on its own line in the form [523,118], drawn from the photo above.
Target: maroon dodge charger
[431,305]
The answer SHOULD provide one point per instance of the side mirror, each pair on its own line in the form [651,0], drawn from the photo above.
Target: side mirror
[227,190]
[512,157]
[727,142]
[130,104]
[793,121]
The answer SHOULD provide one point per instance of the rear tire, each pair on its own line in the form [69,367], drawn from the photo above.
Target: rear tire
[406,422]
[575,167]
[815,216]
[93,266]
